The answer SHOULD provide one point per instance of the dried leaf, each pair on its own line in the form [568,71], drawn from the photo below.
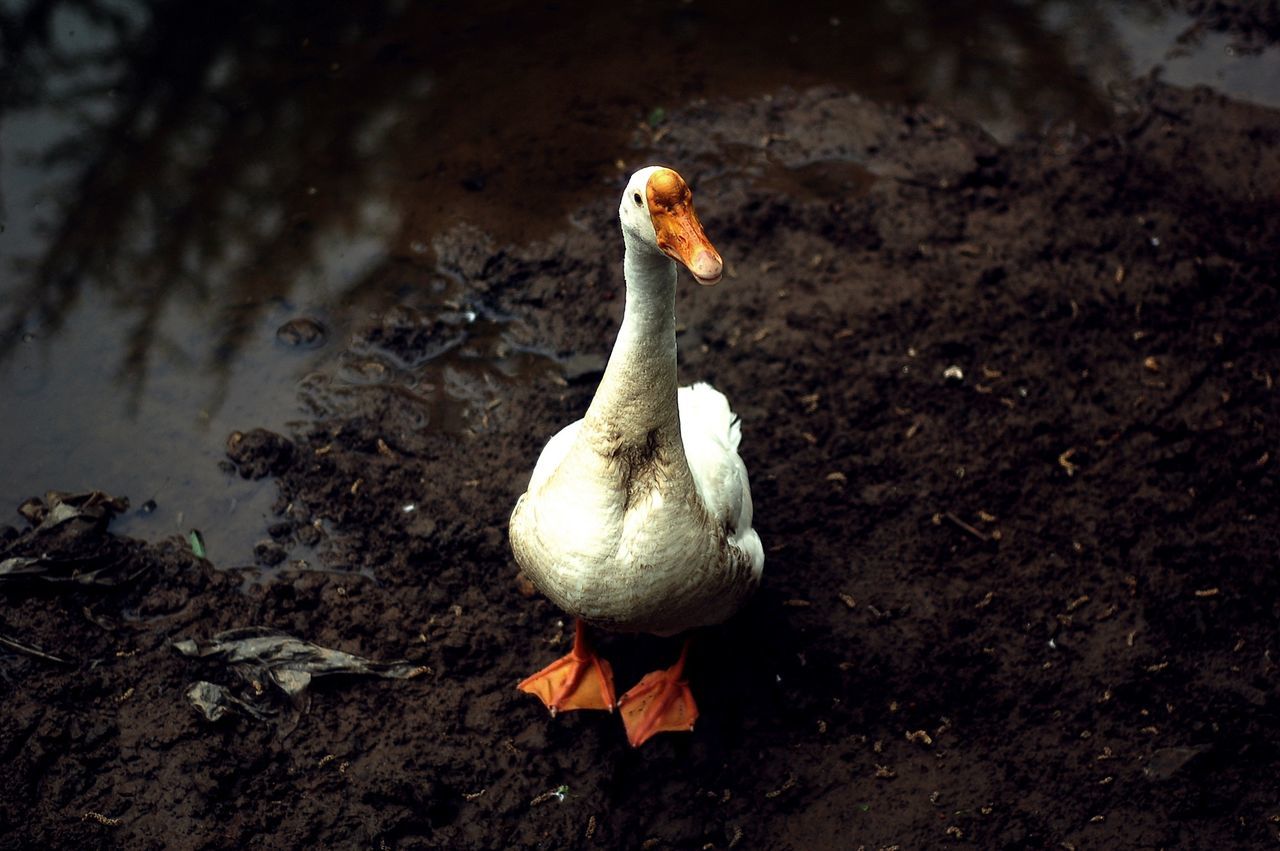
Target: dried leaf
[261,656]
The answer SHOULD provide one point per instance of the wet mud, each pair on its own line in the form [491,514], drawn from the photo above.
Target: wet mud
[1010,413]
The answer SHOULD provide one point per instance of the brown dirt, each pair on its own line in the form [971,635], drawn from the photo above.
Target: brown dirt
[1035,606]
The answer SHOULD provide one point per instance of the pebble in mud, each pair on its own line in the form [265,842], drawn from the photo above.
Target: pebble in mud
[302,332]
[259,452]
[309,535]
[269,553]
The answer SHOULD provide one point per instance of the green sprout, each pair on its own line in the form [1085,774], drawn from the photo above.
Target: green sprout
[197,542]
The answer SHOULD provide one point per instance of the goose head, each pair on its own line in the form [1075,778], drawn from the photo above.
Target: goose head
[657,214]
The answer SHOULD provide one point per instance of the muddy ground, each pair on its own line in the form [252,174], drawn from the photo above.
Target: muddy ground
[1033,604]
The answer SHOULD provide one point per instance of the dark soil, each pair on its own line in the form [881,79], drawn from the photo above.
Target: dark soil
[1011,416]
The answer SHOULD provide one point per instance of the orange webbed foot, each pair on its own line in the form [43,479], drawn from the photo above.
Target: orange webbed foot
[580,680]
[659,703]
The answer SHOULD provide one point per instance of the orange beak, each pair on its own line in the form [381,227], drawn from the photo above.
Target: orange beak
[680,234]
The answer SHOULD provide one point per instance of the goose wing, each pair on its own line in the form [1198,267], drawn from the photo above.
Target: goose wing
[711,433]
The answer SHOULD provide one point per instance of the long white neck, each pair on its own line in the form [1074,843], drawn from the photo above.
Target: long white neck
[636,399]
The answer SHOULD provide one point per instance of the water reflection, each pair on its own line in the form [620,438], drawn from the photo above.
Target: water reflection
[178,179]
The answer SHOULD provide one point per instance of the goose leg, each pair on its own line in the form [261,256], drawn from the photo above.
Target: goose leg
[580,680]
[659,703]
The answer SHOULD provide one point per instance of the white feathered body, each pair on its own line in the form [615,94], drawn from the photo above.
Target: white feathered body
[632,539]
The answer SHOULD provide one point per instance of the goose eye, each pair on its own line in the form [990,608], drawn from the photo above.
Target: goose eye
[636,197]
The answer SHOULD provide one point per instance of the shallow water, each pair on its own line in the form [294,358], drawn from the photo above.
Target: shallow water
[177,183]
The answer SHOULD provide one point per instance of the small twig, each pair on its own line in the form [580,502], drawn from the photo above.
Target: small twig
[786,784]
[34,652]
[981,536]
[106,821]
[558,793]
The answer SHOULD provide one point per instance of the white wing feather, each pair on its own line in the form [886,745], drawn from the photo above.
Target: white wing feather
[711,434]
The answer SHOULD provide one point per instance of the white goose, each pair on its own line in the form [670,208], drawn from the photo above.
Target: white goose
[638,516]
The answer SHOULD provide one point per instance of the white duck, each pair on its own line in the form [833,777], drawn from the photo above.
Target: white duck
[638,516]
